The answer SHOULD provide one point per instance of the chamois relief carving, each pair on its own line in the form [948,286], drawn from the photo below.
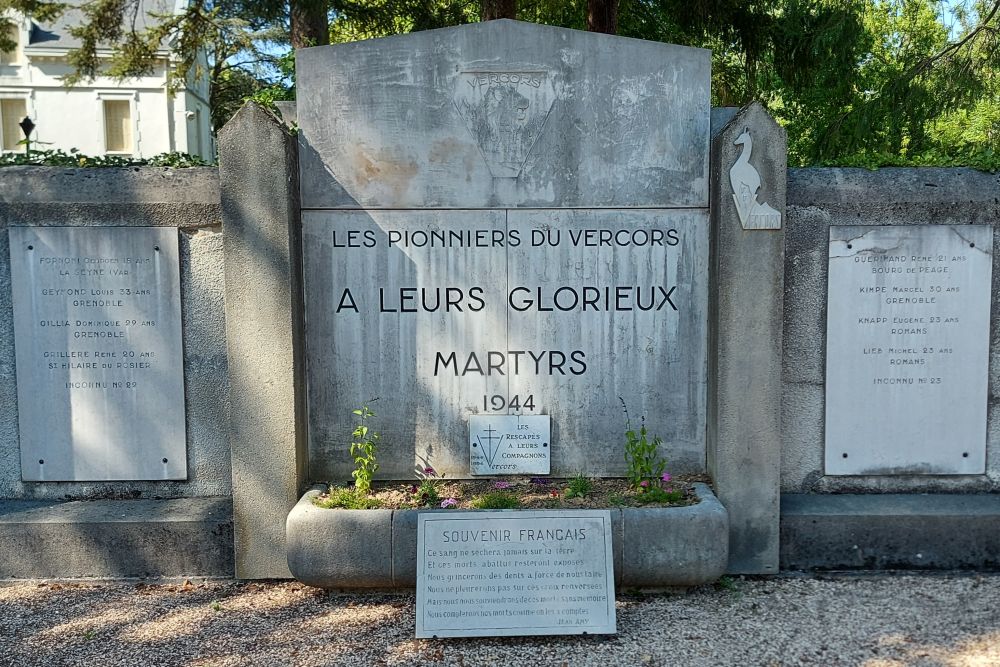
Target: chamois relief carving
[505,112]
[746,182]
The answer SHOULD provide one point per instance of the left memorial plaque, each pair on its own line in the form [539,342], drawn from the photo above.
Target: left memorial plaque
[97,337]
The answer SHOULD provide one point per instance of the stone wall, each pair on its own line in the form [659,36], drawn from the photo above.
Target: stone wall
[817,199]
[135,197]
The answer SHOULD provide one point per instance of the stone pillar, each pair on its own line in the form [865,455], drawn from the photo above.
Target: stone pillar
[748,174]
[258,171]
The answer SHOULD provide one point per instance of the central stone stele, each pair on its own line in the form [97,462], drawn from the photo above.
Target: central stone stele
[505,218]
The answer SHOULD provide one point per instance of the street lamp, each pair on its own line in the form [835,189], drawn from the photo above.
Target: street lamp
[27,127]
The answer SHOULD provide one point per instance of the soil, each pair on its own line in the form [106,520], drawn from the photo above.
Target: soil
[532,492]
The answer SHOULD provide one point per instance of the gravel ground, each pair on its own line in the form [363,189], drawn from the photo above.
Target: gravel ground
[877,621]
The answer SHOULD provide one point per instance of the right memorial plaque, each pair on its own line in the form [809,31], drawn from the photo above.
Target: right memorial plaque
[907,357]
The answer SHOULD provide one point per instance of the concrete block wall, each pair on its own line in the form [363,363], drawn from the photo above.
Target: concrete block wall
[187,199]
[817,199]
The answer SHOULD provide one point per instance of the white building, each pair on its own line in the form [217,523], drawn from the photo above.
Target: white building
[137,117]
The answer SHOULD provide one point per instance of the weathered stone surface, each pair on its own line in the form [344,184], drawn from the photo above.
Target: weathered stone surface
[744,440]
[97,326]
[116,538]
[819,198]
[142,197]
[890,531]
[502,114]
[907,349]
[263,331]
[679,546]
[339,548]
[543,310]
[665,547]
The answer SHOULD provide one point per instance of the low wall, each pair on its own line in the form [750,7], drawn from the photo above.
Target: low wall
[187,199]
[817,199]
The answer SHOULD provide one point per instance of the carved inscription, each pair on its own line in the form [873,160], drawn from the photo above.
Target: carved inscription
[500,574]
[447,315]
[907,349]
[98,346]
[505,113]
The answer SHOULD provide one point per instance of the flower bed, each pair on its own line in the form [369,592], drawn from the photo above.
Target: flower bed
[514,493]
[377,548]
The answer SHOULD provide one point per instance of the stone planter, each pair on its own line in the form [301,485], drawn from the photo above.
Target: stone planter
[653,546]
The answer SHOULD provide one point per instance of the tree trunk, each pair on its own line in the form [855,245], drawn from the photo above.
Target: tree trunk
[602,16]
[498,9]
[309,23]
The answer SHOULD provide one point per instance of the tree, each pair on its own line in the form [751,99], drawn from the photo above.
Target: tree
[853,81]
[498,9]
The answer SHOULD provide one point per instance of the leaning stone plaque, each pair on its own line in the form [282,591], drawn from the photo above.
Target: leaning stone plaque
[97,337]
[509,444]
[908,321]
[488,574]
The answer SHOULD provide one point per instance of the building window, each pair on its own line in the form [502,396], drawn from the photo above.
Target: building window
[12,57]
[117,126]
[12,111]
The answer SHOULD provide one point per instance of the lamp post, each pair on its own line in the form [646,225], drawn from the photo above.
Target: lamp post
[27,127]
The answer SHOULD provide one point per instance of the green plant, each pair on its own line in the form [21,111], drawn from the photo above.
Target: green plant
[642,455]
[656,494]
[579,487]
[426,493]
[74,158]
[727,583]
[216,606]
[364,450]
[348,499]
[496,500]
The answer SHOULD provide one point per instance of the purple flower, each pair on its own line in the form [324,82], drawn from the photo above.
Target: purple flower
[666,477]
[501,485]
[539,480]
[448,502]
[413,488]
[429,471]
[644,483]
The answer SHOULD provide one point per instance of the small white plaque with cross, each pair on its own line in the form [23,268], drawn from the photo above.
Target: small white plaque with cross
[509,444]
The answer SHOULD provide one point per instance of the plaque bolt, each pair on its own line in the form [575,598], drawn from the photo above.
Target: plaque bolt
[31,247]
[156,248]
[965,455]
[41,462]
[844,455]
[972,245]
[849,246]
[164,460]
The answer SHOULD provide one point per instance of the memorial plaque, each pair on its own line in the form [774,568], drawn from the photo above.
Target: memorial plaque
[97,337]
[482,574]
[446,315]
[908,321]
[509,444]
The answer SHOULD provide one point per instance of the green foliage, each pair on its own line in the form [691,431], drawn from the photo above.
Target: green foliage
[854,82]
[364,450]
[579,487]
[348,499]
[60,158]
[641,455]
[427,493]
[496,500]
[657,494]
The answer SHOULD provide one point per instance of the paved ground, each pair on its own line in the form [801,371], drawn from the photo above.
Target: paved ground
[877,621]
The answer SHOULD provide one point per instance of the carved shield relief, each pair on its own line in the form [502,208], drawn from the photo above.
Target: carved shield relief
[505,113]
